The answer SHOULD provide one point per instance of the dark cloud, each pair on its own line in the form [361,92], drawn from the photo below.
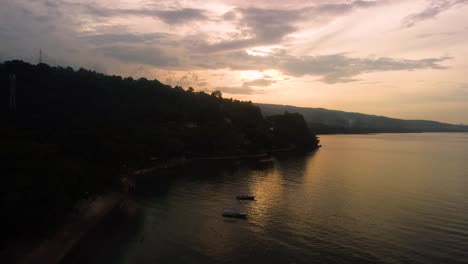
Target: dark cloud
[230,15]
[340,68]
[434,8]
[225,46]
[269,25]
[181,15]
[113,38]
[340,8]
[137,54]
[168,15]
[261,26]
[33,25]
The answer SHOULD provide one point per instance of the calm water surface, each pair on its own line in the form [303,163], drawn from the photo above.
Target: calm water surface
[387,198]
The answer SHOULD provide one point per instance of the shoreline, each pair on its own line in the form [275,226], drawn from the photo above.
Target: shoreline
[53,248]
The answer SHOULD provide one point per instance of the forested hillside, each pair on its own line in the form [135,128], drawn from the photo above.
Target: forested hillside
[73,132]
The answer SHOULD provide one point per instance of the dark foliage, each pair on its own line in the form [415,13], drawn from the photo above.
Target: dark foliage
[290,129]
[74,131]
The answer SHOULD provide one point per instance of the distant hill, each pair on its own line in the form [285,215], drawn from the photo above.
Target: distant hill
[324,121]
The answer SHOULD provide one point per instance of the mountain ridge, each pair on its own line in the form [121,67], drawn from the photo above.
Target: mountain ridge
[326,121]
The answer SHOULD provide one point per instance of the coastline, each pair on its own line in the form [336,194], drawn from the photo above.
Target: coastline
[54,247]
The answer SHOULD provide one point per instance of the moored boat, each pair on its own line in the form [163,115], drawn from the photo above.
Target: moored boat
[245,197]
[233,212]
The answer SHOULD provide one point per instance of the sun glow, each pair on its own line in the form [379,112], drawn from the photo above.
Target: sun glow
[250,75]
[262,51]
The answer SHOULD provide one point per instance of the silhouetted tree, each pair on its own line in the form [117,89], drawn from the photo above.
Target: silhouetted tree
[73,131]
[217,94]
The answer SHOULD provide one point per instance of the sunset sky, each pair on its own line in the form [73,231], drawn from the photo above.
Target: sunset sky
[404,59]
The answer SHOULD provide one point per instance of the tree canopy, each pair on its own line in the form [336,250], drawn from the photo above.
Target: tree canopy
[72,132]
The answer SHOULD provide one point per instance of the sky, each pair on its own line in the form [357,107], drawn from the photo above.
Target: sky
[403,59]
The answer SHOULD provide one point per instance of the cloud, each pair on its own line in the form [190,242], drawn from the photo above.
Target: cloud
[341,8]
[333,68]
[340,68]
[267,26]
[434,8]
[238,90]
[136,54]
[179,16]
[248,87]
[259,83]
[28,26]
[167,14]
[109,43]
[113,38]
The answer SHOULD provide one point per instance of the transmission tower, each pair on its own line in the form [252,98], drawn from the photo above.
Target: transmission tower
[12,93]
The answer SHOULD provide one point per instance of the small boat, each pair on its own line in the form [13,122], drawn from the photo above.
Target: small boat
[233,212]
[245,197]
